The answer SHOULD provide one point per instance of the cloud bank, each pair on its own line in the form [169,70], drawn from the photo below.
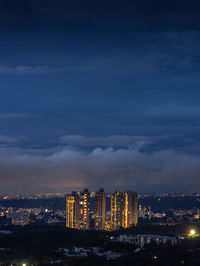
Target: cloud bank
[66,168]
[110,141]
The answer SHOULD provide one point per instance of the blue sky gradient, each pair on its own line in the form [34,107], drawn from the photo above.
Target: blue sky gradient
[120,78]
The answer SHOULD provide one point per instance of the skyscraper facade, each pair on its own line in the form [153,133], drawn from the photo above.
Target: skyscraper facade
[84,212]
[116,210]
[123,213]
[100,210]
[135,209]
[130,209]
[72,210]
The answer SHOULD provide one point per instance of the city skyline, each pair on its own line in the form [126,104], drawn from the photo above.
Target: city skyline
[100,132]
[123,211]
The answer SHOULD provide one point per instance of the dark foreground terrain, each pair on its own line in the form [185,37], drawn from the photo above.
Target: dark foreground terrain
[38,245]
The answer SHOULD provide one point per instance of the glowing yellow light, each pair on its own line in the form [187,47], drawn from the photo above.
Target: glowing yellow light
[24,264]
[192,232]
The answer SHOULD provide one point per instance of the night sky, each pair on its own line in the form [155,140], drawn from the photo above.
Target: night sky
[99,94]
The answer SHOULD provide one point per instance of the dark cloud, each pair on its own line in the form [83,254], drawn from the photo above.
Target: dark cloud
[21,69]
[14,115]
[143,144]
[78,14]
[134,37]
[8,139]
[29,70]
[110,141]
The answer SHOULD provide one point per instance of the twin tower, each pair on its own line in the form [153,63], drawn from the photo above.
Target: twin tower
[123,210]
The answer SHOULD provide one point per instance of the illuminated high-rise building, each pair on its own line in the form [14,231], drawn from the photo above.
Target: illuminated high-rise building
[130,209]
[135,209]
[84,212]
[116,210]
[123,213]
[100,210]
[72,210]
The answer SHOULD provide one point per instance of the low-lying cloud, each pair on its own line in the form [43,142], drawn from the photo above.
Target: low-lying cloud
[109,141]
[64,169]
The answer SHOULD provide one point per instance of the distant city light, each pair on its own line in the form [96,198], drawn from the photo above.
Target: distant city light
[192,232]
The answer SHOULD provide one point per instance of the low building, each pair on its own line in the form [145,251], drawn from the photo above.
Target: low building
[141,240]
